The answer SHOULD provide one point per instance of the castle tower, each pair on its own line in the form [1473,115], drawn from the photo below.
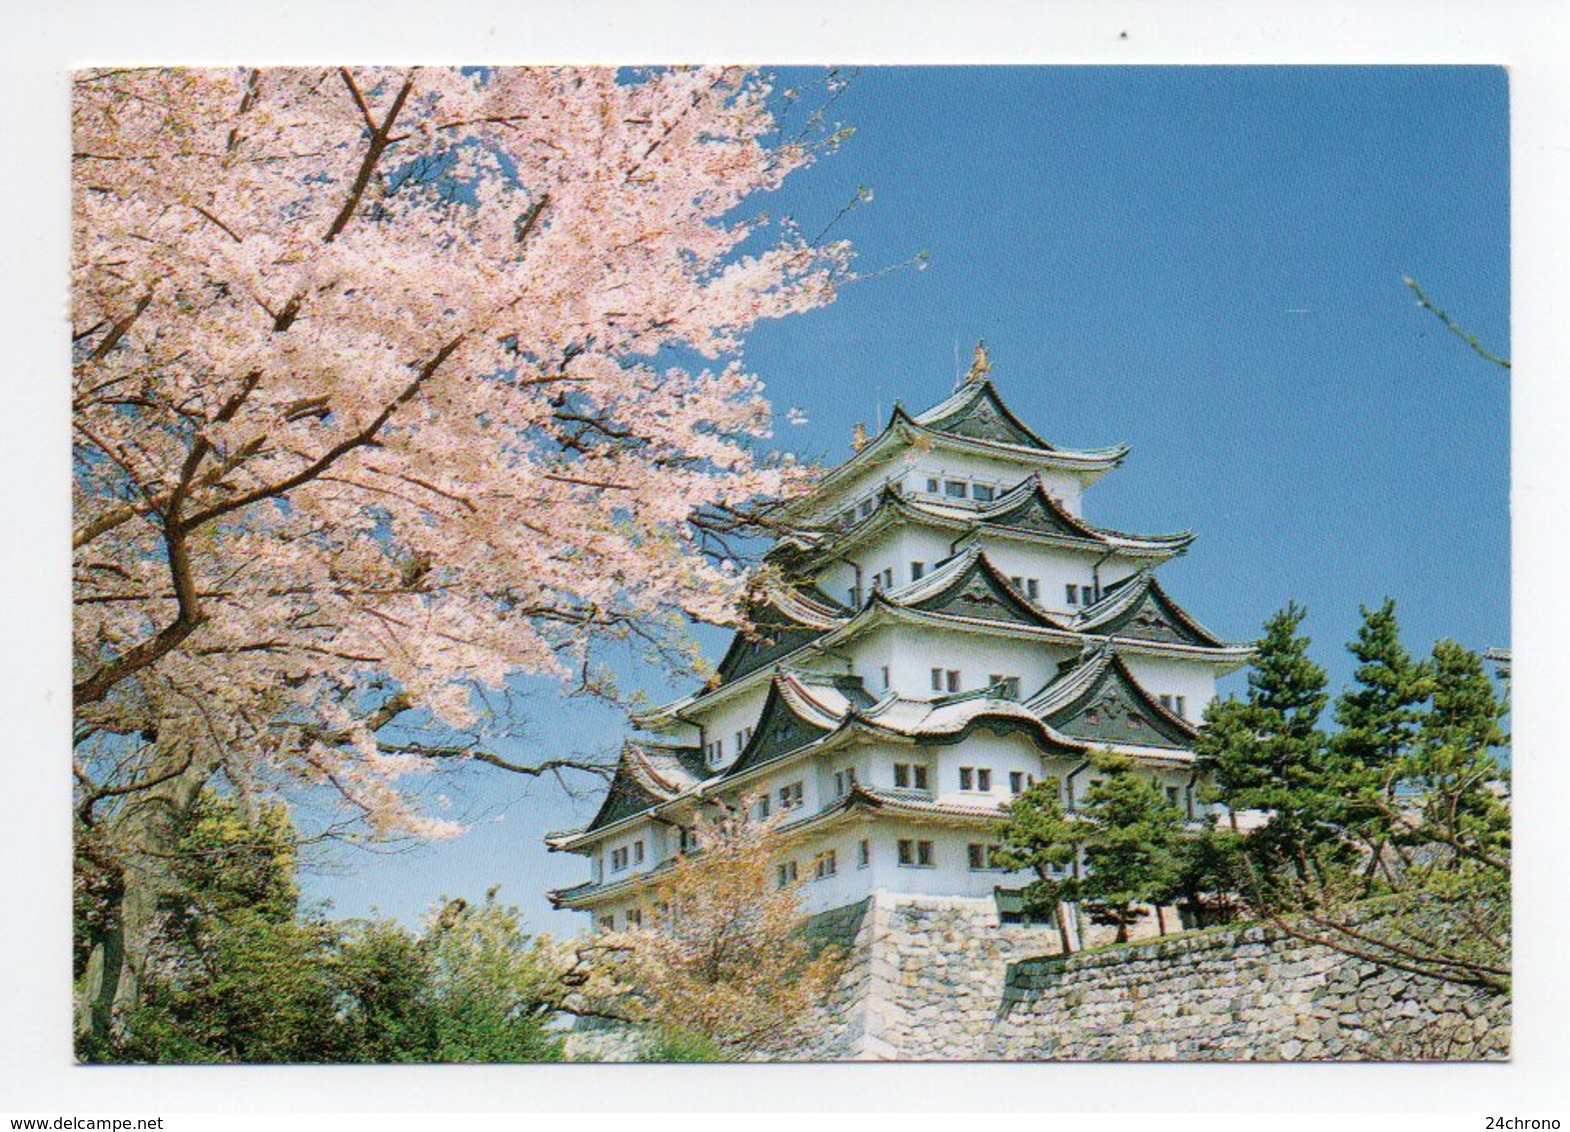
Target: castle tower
[951,628]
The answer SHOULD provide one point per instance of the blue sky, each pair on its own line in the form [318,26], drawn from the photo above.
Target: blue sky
[1205,262]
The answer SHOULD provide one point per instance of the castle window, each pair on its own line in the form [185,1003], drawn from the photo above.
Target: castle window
[932,485]
[1166,701]
[1182,706]
[910,776]
[1073,593]
[634,918]
[741,741]
[980,856]
[1033,588]
[855,596]
[937,679]
[785,873]
[790,796]
[977,779]
[618,859]
[865,509]
[607,923]
[885,676]
[1007,686]
[915,854]
[951,680]
[1016,782]
[763,807]
[1173,795]
[954,489]
[844,780]
[981,493]
[888,578]
[637,852]
[863,853]
[917,569]
[826,865]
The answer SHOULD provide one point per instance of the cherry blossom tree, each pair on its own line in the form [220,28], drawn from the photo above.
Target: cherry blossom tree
[390,384]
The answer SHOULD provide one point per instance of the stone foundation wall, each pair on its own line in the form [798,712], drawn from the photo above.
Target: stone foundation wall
[928,978]
[1249,994]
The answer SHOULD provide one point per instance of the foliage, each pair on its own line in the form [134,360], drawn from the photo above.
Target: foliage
[1379,717]
[1389,840]
[723,963]
[236,974]
[391,384]
[1265,752]
[1129,836]
[366,413]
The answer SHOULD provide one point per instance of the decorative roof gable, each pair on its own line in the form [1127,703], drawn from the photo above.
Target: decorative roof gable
[1139,609]
[1106,704]
[781,729]
[976,590]
[976,412]
[646,775]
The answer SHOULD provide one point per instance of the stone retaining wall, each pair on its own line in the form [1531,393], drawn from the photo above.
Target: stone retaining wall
[1249,994]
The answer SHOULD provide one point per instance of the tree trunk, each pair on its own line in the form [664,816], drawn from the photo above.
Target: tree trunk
[1161,921]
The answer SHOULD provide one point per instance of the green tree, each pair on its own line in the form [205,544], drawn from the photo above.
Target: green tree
[1039,836]
[1211,874]
[1378,717]
[1130,845]
[1266,752]
[496,990]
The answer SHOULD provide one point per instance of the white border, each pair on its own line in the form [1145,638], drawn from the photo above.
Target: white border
[44,40]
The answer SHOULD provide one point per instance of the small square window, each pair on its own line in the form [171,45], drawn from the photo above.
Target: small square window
[1033,588]
[1166,701]
[984,780]
[932,485]
[937,679]
[826,865]
[1180,706]
[1173,794]
[954,489]
[976,855]
[634,918]
[917,569]
[1073,593]
[637,852]
[919,775]
[924,854]
[786,873]
[607,923]
[902,775]
[790,796]
[981,493]
[967,778]
[1016,782]
[907,852]
[952,680]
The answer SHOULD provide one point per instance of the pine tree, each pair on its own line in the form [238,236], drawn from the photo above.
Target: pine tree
[1131,845]
[1379,720]
[1460,781]
[1266,752]
[1039,836]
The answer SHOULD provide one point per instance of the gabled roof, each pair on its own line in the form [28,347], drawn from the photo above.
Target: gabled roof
[647,774]
[1138,608]
[976,412]
[1026,510]
[1096,699]
[968,585]
[798,710]
[975,420]
[785,622]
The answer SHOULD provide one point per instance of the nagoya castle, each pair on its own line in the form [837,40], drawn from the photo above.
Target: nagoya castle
[942,627]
